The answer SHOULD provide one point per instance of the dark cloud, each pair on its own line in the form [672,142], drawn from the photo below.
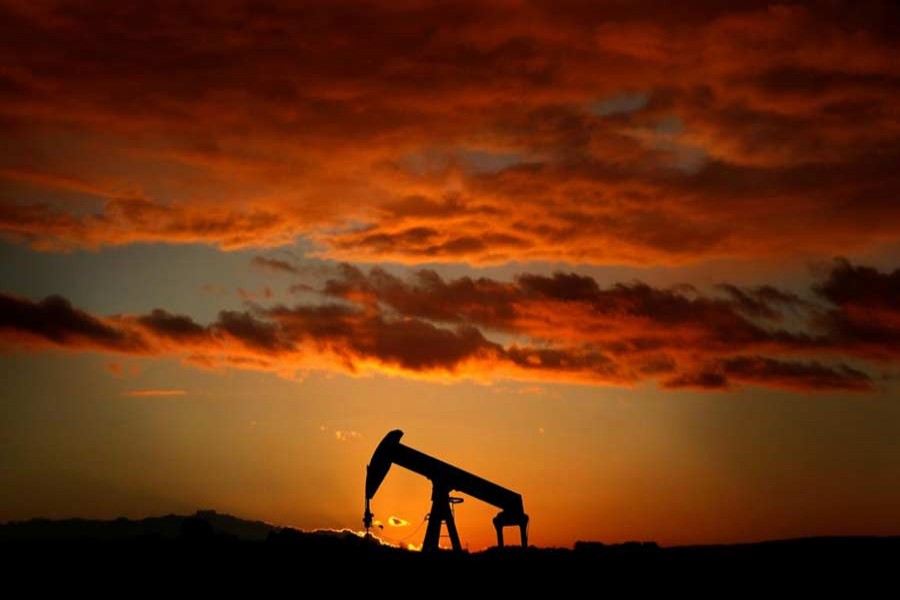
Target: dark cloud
[703,380]
[629,331]
[587,362]
[355,335]
[561,327]
[769,372]
[252,331]
[55,321]
[176,327]
[418,346]
[565,305]
[414,237]
[860,286]
[561,286]
[866,319]
[427,295]
[758,370]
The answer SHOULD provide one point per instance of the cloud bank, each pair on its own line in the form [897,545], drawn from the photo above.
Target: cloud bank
[560,328]
[587,132]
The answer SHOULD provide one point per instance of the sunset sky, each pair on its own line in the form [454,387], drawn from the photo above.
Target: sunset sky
[638,261]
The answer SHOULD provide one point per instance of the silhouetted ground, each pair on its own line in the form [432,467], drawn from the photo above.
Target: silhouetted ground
[220,549]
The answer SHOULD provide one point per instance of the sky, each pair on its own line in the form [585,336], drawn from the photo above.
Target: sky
[637,262]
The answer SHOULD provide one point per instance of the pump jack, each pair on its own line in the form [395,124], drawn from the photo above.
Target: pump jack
[445,478]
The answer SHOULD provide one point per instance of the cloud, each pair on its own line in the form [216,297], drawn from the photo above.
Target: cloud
[346,436]
[795,375]
[628,332]
[561,327]
[355,335]
[758,370]
[866,313]
[614,133]
[175,327]
[858,286]
[128,221]
[153,393]
[397,522]
[274,264]
[54,321]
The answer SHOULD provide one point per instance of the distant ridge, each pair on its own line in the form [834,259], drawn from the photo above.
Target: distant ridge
[121,529]
[209,523]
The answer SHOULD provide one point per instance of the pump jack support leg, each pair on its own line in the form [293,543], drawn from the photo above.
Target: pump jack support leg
[433,531]
[451,529]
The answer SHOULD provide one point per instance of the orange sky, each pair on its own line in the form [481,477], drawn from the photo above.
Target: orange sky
[636,261]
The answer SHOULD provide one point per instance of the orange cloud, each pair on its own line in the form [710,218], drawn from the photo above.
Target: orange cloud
[589,133]
[126,221]
[563,327]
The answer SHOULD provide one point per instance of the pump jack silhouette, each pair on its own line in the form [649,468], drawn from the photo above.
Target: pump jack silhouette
[445,478]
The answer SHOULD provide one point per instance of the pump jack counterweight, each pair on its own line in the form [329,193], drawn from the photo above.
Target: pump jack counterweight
[445,478]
